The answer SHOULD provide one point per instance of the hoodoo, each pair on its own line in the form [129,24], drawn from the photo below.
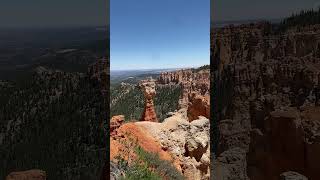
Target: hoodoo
[181,139]
[195,85]
[149,90]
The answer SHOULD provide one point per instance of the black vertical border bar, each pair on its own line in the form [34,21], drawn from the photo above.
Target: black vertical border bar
[211,95]
[108,84]
[105,174]
[214,95]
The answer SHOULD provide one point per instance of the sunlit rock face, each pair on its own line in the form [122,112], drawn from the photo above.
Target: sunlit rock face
[183,138]
[149,90]
[195,85]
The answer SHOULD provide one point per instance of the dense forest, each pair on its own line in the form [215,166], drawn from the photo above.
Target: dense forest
[53,121]
[301,19]
[204,67]
[127,99]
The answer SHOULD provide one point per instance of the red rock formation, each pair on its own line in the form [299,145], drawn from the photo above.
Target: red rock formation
[189,80]
[149,90]
[130,135]
[195,87]
[189,152]
[34,174]
[198,106]
[115,123]
[132,131]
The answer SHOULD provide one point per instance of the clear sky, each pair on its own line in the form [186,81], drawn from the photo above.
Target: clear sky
[151,34]
[230,10]
[53,13]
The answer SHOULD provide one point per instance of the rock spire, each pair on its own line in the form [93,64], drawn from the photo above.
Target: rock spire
[149,90]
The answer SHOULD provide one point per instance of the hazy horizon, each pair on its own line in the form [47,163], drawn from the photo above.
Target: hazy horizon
[150,34]
[146,69]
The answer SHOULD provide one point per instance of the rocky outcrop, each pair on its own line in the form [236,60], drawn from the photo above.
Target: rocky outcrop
[230,164]
[124,142]
[290,175]
[288,141]
[134,134]
[96,69]
[185,144]
[195,85]
[115,123]
[100,72]
[149,90]
[198,106]
[188,142]
[190,80]
[259,75]
[272,150]
[183,137]
[34,174]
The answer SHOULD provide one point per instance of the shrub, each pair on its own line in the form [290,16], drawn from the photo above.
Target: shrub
[140,171]
[162,167]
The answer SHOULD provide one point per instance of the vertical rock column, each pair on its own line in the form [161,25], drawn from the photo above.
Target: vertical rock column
[149,90]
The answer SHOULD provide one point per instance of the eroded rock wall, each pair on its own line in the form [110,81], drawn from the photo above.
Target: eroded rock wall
[195,87]
[257,74]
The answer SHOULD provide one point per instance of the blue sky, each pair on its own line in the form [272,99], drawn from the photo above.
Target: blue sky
[151,34]
[230,10]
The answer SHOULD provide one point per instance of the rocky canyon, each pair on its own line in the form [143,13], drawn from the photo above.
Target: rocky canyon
[266,93]
[182,139]
[195,85]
